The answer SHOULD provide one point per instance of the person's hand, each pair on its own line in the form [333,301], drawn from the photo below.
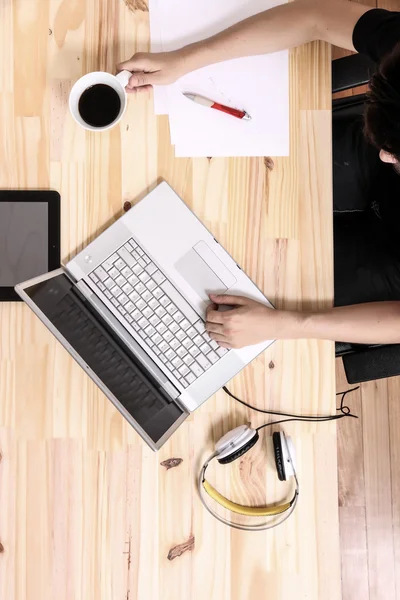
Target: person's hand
[248,322]
[150,69]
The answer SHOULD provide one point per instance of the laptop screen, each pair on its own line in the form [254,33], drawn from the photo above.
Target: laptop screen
[114,365]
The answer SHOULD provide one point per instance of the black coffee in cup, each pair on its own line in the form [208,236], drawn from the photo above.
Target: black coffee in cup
[99,105]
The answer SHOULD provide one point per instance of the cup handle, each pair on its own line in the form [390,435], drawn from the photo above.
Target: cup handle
[123,77]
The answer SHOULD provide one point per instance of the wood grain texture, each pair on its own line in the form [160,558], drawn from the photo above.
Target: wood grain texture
[87,510]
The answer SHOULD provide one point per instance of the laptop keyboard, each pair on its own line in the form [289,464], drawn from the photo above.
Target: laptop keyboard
[152,306]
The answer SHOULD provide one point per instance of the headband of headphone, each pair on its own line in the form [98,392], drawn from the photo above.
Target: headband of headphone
[232,446]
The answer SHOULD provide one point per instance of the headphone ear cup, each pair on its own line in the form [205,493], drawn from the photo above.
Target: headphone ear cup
[279,457]
[238,453]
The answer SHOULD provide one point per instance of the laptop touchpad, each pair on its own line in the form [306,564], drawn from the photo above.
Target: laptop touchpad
[199,267]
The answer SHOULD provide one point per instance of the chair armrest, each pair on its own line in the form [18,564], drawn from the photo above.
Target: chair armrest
[351,71]
[375,362]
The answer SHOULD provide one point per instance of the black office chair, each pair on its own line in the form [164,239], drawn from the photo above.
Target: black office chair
[361,362]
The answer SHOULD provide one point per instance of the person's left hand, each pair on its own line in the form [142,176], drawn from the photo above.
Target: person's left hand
[248,322]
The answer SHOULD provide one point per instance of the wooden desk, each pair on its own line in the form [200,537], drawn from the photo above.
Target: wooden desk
[86,510]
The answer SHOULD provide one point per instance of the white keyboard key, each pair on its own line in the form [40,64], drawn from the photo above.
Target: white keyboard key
[183,370]
[187,343]
[126,272]
[151,285]
[101,286]
[134,297]
[135,255]
[130,245]
[137,269]
[123,299]
[144,277]
[160,312]
[179,301]
[204,362]
[161,328]
[150,331]
[158,293]
[115,301]
[156,351]
[180,335]
[113,273]
[120,281]
[157,339]
[190,378]
[214,345]
[108,294]
[172,309]
[116,291]
[200,326]
[129,318]
[133,280]
[167,319]
[221,351]
[138,249]
[168,336]
[119,264]
[147,296]
[94,277]
[174,327]
[109,283]
[212,357]
[162,358]
[170,367]
[196,368]
[158,277]
[127,257]
[163,347]
[188,359]
[164,301]
[141,263]
[143,323]
[174,343]
[185,324]
[140,304]
[140,288]
[205,348]
[191,332]
[181,352]
[154,320]
[146,259]
[198,340]
[177,362]
[137,315]
[147,312]
[127,289]
[153,303]
[101,273]
[170,354]
[178,316]
[142,333]
[129,307]
[151,268]
[121,310]
[206,337]
[194,351]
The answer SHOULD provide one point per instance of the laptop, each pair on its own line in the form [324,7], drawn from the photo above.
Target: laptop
[130,308]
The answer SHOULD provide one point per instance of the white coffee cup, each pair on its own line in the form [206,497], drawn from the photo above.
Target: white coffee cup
[117,82]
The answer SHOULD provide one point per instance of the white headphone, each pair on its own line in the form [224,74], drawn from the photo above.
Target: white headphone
[235,444]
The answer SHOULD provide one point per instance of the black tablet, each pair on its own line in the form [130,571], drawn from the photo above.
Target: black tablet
[29,237]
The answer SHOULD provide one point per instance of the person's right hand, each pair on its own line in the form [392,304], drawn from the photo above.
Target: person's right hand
[150,69]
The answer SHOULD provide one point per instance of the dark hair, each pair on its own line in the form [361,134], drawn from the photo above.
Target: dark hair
[382,114]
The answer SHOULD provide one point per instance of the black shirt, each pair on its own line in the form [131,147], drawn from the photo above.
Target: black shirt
[366,191]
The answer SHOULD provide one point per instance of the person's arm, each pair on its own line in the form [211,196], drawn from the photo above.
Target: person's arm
[250,322]
[284,26]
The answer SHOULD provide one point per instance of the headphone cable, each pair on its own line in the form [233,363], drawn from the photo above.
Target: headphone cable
[344,410]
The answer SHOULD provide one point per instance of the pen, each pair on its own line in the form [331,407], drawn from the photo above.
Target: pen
[234,112]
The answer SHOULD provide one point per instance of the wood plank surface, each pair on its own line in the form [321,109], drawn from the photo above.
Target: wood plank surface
[86,509]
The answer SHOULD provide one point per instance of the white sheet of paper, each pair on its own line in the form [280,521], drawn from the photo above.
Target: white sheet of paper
[259,85]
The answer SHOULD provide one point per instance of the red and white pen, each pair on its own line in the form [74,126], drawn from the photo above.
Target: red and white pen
[234,112]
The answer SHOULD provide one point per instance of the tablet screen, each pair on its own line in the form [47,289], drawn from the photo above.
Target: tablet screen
[23,241]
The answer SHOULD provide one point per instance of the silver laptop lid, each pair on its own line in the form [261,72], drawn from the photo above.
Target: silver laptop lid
[119,374]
